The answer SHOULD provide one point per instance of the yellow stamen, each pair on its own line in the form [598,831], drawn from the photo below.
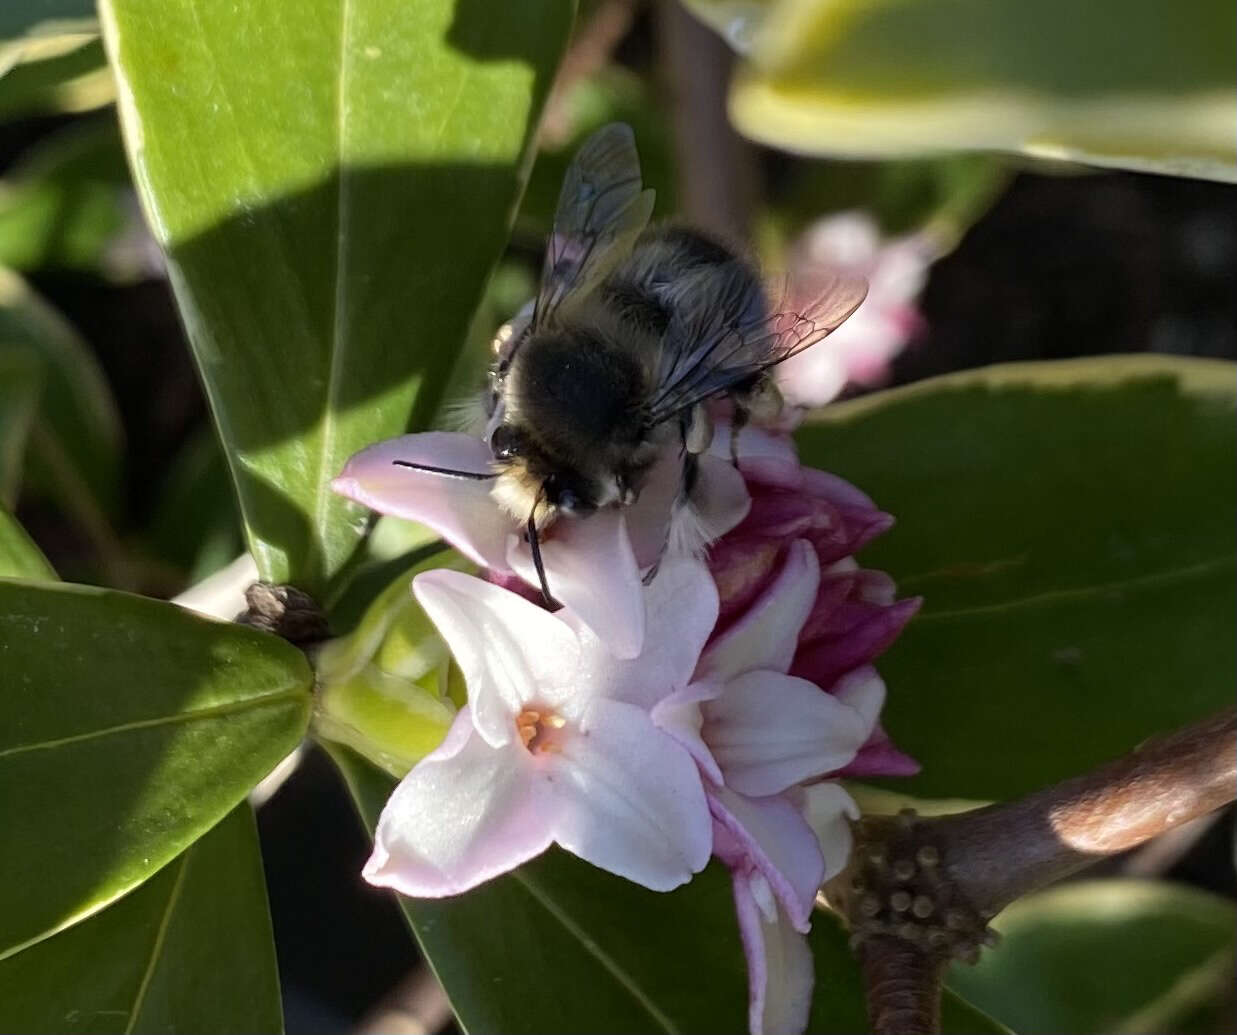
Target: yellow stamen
[537,728]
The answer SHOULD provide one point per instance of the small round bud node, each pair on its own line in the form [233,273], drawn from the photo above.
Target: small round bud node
[956,920]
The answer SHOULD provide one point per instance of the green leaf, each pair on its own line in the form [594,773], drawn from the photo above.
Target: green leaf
[1106,956]
[20,558]
[33,30]
[128,728]
[332,195]
[21,381]
[74,455]
[67,204]
[1070,526]
[194,525]
[1125,83]
[618,958]
[190,950]
[75,80]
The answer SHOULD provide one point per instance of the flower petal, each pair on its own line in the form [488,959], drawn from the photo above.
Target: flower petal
[510,651]
[780,969]
[765,637]
[864,690]
[769,731]
[631,798]
[770,835]
[879,756]
[857,634]
[591,569]
[681,609]
[679,715]
[460,510]
[763,456]
[465,813]
[829,809]
[720,497]
[719,501]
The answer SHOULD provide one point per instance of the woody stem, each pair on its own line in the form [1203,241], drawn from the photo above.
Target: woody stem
[971,865]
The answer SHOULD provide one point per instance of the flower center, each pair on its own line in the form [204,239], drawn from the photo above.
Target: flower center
[537,729]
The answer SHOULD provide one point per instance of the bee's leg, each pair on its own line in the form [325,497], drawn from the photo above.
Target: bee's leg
[534,545]
[760,399]
[737,423]
[697,431]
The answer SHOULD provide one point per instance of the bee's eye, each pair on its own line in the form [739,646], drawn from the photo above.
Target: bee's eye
[505,442]
[568,501]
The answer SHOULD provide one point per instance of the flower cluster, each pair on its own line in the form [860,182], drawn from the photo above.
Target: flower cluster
[860,351]
[739,690]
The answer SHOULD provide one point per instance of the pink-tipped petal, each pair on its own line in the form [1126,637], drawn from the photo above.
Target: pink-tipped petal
[835,490]
[648,517]
[460,510]
[879,757]
[743,567]
[829,810]
[769,731]
[720,497]
[850,644]
[776,452]
[780,970]
[718,502]
[632,801]
[466,813]
[770,835]
[864,690]
[510,651]
[765,637]
[590,569]
[681,610]
[679,715]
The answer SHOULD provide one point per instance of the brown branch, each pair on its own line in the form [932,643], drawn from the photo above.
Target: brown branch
[717,168]
[588,54]
[1002,852]
[903,986]
[919,892]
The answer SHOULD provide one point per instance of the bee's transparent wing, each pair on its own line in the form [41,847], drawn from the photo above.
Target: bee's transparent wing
[716,343]
[602,209]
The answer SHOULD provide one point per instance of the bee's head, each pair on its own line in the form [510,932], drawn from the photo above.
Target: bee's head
[529,480]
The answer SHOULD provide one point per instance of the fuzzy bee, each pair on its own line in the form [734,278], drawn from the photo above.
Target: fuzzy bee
[633,330]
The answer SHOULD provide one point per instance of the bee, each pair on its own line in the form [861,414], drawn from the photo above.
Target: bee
[632,331]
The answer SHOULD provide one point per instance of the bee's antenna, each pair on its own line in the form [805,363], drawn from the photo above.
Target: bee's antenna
[534,544]
[447,472]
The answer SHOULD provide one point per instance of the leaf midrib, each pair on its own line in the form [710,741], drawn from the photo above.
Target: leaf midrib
[156,948]
[338,316]
[625,980]
[1075,593]
[213,712]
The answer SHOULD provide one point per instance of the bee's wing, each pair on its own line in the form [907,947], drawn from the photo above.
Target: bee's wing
[602,209]
[715,343]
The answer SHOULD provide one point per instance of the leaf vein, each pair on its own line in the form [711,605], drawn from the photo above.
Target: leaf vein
[339,314]
[157,947]
[596,951]
[162,720]
[1083,592]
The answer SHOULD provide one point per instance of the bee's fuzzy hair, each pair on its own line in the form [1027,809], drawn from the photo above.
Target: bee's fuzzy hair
[465,415]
